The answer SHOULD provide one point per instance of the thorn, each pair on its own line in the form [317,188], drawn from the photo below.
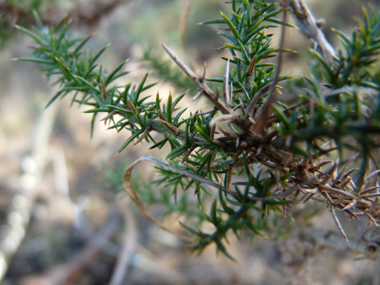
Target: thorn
[338,222]
[256,98]
[110,115]
[251,66]
[348,163]
[143,135]
[226,85]
[174,130]
[219,143]
[242,106]
[227,118]
[181,64]
[204,71]
[104,91]
[206,112]
[329,174]
[191,149]
[237,142]
[197,95]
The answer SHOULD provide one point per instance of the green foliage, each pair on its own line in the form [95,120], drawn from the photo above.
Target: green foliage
[261,156]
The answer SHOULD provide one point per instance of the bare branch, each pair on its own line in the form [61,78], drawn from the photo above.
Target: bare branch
[306,22]
[263,113]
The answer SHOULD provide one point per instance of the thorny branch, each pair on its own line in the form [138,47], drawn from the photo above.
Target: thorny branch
[311,28]
[311,182]
[246,127]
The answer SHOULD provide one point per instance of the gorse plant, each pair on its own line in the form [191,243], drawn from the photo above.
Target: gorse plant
[261,155]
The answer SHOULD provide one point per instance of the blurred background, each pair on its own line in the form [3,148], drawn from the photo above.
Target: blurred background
[64,218]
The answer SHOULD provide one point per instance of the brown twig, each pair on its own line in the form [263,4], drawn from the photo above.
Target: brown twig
[261,116]
[306,22]
[132,193]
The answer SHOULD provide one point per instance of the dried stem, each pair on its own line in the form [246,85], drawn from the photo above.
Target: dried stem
[306,22]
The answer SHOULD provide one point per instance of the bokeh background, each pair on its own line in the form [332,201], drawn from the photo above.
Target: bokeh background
[64,218]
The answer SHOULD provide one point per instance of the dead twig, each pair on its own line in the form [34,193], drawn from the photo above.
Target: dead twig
[311,28]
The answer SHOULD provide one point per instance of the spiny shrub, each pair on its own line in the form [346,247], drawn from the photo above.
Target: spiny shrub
[260,155]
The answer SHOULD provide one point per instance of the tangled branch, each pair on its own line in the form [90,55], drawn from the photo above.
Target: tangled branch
[337,112]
